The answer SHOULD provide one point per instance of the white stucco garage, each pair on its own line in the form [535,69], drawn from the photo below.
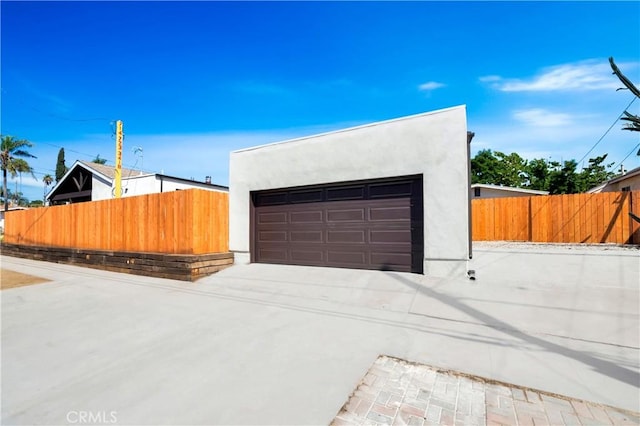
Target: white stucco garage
[387,195]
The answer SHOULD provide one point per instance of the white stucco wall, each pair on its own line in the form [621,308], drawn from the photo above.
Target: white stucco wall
[499,193]
[433,144]
[140,185]
[100,189]
[144,184]
[171,185]
[633,183]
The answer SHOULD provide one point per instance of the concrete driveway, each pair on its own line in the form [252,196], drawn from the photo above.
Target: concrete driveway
[268,344]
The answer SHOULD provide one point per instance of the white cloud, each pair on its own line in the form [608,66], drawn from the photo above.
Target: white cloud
[578,76]
[538,117]
[490,78]
[430,85]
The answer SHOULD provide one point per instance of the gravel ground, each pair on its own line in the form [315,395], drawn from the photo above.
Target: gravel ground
[553,247]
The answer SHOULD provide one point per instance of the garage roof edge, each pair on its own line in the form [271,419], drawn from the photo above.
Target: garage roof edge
[377,123]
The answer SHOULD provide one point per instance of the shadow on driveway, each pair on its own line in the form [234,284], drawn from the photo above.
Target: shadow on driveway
[604,367]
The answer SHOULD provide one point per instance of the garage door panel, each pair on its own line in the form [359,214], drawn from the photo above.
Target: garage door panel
[373,225]
[393,189]
[399,213]
[340,215]
[306,196]
[391,236]
[307,237]
[271,236]
[392,259]
[308,256]
[307,217]
[346,193]
[347,257]
[351,236]
[278,217]
[272,199]
[273,254]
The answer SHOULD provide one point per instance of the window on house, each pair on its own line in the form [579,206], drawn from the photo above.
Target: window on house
[626,189]
[476,192]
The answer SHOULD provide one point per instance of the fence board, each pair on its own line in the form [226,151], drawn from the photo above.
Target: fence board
[575,218]
[191,221]
[634,226]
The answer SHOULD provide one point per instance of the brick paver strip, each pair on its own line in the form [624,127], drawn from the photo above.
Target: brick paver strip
[398,392]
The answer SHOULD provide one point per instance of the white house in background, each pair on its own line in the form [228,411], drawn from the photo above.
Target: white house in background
[629,181]
[481,190]
[86,181]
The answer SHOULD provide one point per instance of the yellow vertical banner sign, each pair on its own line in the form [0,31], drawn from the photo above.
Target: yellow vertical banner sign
[118,172]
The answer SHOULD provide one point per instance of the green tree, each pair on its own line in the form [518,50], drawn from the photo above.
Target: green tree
[21,166]
[498,168]
[99,160]
[484,167]
[9,196]
[537,174]
[633,120]
[16,198]
[12,155]
[512,169]
[595,173]
[563,178]
[61,168]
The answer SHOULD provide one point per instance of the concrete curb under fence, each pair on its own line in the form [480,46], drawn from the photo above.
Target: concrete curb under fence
[182,267]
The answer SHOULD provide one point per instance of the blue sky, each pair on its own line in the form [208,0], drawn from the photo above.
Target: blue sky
[193,81]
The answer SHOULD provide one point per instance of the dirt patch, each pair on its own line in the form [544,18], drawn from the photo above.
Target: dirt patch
[12,279]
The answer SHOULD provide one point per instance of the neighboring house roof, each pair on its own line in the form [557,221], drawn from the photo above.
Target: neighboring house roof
[14,208]
[598,188]
[631,173]
[509,188]
[110,171]
[107,173]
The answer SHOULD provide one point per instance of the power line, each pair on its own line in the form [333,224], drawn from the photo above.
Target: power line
[630,152]
[608,130]
[82,153]
[67,149]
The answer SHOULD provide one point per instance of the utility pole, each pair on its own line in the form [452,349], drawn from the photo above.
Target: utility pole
[118,171]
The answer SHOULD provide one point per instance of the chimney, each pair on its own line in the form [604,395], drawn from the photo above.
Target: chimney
[207,180]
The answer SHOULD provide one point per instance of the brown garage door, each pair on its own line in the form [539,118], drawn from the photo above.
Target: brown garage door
[366,225]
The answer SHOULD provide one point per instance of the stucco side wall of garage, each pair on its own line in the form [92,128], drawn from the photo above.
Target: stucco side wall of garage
[433,144]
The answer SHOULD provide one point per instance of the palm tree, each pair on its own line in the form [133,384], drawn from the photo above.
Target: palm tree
[12,154]
[634,120]
[48,180]
[99,160]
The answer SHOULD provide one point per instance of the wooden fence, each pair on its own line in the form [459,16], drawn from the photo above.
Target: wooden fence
[197,221]
[576,218]
[191,221]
